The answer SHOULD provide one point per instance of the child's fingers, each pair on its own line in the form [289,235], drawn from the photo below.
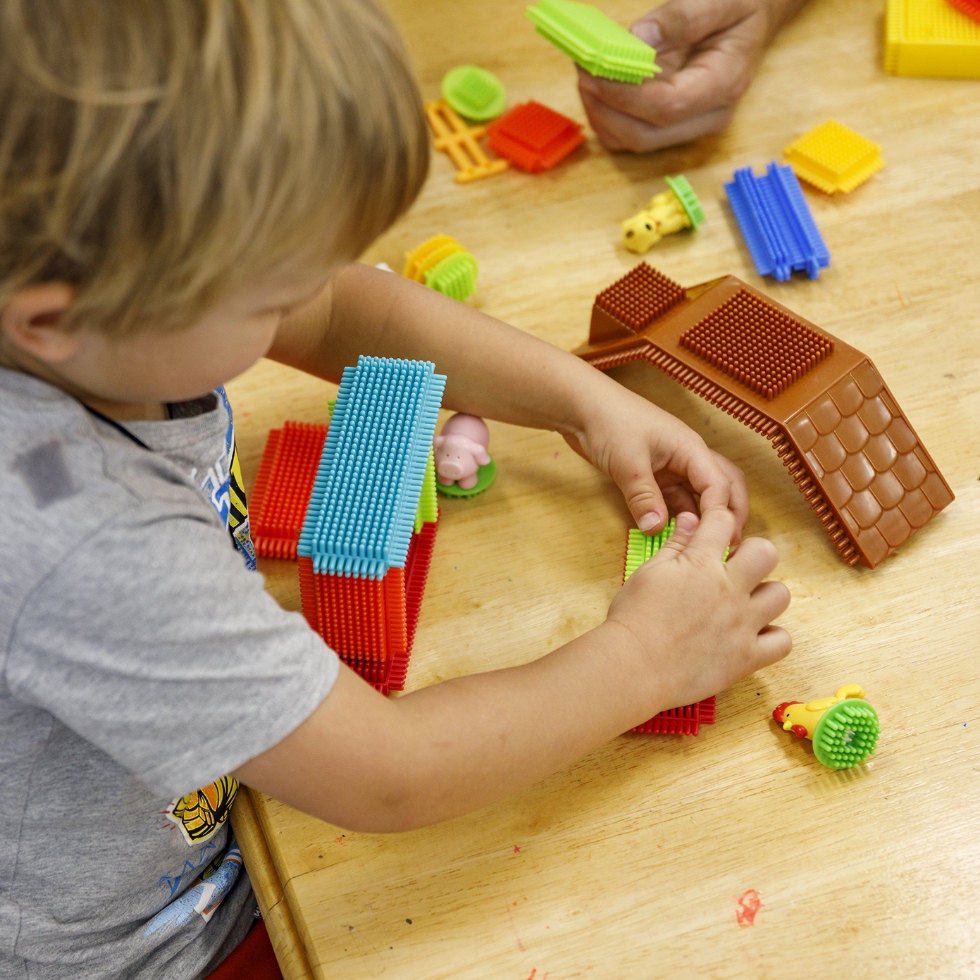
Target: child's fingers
[752,562]
[769,600]
[714,533]
[773,644]
[686,524]
[645,501]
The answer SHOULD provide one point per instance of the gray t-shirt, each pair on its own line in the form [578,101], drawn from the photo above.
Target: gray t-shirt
[140,660]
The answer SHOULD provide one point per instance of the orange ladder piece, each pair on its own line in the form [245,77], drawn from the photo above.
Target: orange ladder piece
[454,137]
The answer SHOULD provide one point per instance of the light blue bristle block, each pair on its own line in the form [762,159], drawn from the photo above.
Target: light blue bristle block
[366,493]
[776,222]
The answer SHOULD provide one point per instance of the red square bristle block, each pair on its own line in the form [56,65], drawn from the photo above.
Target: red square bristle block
[283,486]
[756,344]
[534,137]
[969,7]
[640,296]
[681,721]
[416,573]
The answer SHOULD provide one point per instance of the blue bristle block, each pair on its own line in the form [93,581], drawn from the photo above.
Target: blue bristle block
[362,509]
[776,223]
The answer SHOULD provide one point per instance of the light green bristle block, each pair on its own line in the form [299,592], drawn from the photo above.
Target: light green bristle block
[684,193]
[454,276]
[474,92]
[428,511]
[642,547]
[846,734]
[593,40]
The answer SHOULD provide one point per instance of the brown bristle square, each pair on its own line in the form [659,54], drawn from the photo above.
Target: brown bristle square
[757,344]
[640,297]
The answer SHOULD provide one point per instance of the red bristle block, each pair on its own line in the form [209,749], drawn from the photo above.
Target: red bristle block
[681,721]
[352,613]
[969,7]
[308,594]
[396,633]
[534,137]
[417,573]
[282,490]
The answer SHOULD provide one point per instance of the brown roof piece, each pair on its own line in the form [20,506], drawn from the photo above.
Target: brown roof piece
[821,402]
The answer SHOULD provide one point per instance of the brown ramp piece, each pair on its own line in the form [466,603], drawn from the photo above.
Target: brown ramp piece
[822,404]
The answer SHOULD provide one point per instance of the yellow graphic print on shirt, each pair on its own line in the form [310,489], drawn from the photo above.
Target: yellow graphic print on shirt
[238,510]
[200,814]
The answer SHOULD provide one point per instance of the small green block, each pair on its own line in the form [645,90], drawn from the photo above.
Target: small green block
[484,477]
[594,41]
[474,93]
[642,547]
[846,734]
[454,276]
[428,510]
[684,193]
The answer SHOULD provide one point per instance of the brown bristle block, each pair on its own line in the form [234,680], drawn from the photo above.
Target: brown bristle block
[757,344]
[640,297]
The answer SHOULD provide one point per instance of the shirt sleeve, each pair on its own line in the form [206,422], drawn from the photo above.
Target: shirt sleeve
[155,643]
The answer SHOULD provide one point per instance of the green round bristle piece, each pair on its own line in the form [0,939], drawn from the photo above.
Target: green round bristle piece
[474,93]
[846,734]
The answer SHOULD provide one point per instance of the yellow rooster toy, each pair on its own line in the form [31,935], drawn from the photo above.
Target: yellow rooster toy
[671,211]
[844,729]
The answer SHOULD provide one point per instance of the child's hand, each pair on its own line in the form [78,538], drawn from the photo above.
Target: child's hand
[708,50]
[655,459]
[700,623]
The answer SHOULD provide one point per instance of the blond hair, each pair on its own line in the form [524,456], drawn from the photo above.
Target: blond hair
[155,152]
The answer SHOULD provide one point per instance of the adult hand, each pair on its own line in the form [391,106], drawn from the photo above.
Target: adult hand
[708,50]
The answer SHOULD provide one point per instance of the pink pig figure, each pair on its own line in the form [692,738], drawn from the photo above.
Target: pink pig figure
[461,449]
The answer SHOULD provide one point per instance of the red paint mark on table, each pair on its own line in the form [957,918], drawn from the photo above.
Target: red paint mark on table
[517,849]
[898,293]
[748,906]
[556,454]
[534,973]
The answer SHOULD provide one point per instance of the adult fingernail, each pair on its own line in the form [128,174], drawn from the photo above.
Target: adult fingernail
[648,31]
[686,522]
[648,521]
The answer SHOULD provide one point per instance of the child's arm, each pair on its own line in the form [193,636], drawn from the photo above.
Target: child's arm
[372,764]
[499,372]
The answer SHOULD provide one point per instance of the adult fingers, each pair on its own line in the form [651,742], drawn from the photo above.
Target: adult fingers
[680,23]
[754,559]
[620,131]
[713,78]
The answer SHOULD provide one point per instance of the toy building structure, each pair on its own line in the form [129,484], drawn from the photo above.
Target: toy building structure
[370,524]
[534,137]
[675,721]
[461,143]
[356,503]
[834,158]
[776,223]
[594,41]
[930,38]
[820,402]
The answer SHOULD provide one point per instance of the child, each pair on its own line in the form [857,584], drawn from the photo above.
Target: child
[183,188]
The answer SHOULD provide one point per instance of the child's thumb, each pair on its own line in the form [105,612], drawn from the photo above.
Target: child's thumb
[646,503]
[685,525]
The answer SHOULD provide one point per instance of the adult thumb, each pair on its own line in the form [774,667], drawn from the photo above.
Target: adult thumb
[682,23]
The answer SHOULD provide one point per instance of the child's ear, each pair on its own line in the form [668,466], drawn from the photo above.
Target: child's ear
[31,320]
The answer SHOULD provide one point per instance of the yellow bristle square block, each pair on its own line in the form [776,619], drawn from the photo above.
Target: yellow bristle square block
[834,158]
[932,39]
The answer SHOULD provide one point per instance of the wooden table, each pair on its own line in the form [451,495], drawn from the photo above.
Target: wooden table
[637,861]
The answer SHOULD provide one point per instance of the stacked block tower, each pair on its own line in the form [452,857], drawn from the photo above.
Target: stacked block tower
[367,538]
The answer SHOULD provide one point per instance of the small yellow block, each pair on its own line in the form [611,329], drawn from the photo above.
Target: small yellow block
[930,38]
[428,255]
[834,158]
